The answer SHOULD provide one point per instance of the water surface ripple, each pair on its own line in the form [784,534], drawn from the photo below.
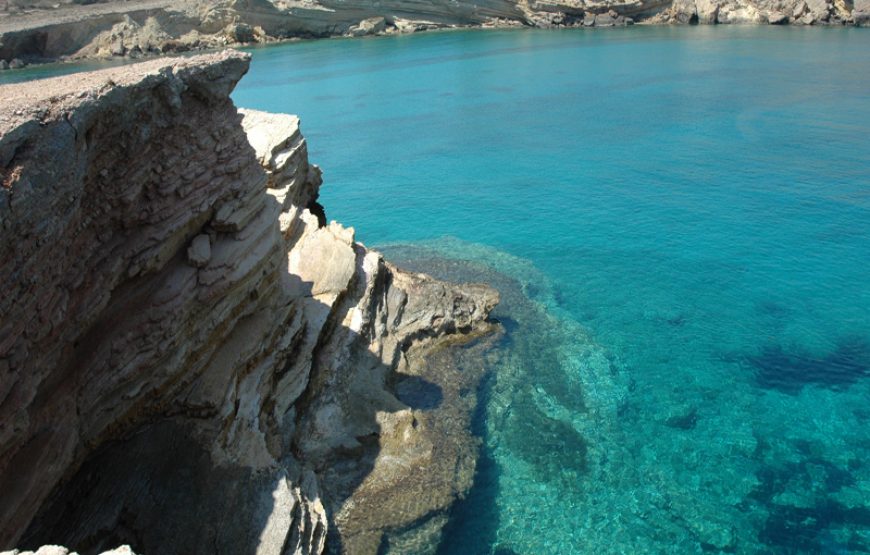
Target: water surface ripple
[679,218]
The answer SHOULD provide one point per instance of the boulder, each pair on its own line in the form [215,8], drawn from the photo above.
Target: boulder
[684,11]
[199,252]
[799,10]
[820,9]
[370,26]
[604,20]
[240,32]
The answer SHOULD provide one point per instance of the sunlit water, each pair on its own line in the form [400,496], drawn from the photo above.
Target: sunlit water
[680,218]
[679,222]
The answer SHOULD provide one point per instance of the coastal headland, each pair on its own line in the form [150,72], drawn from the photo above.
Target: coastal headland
[39,31]
[194,360]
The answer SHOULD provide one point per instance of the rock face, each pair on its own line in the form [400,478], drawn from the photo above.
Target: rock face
[187,350]
[36,30]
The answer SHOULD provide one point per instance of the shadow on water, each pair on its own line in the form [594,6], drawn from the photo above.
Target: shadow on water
[811,527]
[522,405]
[528,427]
[686,421]
[160,489]
[474,521]
[186,470]
[789,371]
[553,447]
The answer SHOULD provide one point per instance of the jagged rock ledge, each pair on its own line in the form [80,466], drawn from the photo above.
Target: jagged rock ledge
[191,359]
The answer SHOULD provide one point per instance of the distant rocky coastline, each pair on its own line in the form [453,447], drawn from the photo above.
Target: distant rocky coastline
[192,359]
[41,31]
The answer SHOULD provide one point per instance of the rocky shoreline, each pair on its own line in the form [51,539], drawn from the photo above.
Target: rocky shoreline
[192,359]
[32,31]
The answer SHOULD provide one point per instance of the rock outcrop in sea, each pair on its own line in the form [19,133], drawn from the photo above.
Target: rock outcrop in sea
[37,30]
[192,360]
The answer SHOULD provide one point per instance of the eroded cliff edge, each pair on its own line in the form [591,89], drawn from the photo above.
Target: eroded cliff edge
[191,359]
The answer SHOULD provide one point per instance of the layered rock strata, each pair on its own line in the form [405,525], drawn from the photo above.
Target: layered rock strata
[192,360]
[34,30]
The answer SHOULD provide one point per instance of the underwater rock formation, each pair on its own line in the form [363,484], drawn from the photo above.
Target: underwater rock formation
[187,349]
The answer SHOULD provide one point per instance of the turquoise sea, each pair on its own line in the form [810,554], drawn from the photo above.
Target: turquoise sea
[679,220]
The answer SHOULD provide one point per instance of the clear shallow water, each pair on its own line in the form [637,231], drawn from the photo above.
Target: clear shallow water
[682,217]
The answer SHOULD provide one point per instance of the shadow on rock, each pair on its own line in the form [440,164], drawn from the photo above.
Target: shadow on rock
[213,365]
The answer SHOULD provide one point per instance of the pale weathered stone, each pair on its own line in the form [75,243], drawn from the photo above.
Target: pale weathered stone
[820,9]
[122,550]
[799,9]
[52,550]
[708,11]
[777,18]
[59,550]
[196,382]
[370,26]
[146,27]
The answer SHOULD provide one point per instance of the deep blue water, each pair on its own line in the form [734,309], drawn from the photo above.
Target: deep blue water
[687,214]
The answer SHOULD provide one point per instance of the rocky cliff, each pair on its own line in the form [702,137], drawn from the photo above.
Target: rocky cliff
[39,30]
[192,360]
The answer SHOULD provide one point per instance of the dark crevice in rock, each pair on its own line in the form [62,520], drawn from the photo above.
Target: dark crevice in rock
[317,209]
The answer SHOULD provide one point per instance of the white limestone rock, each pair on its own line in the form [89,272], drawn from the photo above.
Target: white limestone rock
[369,26]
